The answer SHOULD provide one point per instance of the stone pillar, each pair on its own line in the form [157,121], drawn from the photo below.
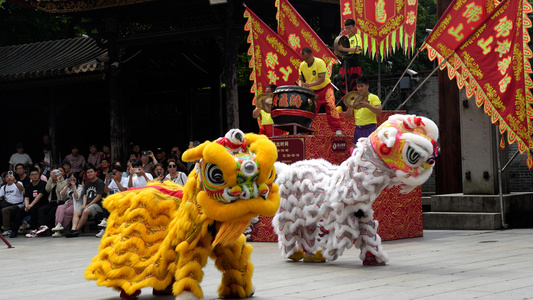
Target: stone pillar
[479,143]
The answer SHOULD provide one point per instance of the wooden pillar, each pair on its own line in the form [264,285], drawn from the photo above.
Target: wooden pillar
[230,67]
[55,159]
[448,172]
[116,119]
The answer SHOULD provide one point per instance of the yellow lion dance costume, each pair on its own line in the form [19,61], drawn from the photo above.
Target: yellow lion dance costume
[161,235]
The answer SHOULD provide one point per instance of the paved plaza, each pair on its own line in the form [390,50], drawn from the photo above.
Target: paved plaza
[441,265]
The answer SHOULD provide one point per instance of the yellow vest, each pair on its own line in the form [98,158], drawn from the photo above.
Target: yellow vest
[355,40]
[365,116]
[310,72]
[266,118]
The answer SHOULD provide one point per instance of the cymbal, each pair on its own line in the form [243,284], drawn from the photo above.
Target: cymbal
[342,40]
[354,99]
[262,99]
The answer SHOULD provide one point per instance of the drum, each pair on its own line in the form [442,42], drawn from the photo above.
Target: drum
[293,104]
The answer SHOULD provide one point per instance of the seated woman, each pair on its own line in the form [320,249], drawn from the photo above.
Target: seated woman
[159,172]
[175,175]
[72,194]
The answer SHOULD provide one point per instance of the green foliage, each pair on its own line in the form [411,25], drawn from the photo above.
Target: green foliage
[23,25]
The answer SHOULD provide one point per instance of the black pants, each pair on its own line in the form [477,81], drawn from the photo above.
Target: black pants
[47,214]
[33,213]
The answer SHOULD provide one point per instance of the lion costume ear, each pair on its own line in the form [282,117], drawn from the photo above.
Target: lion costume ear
[195,153]
[251,138]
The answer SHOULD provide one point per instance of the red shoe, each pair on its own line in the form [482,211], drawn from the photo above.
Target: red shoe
[370,259]
[42,230]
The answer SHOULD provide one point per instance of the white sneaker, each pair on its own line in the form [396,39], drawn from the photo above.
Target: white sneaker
[103,224]
[42,230]
[6,233]
[57,234]
[338,133]
[100,234]
[32,234]
[58,227]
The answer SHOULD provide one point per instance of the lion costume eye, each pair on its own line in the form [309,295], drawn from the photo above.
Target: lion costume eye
[412,156]
[214,175]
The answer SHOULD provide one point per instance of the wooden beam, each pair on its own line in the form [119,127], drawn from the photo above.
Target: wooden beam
[448,169]
[230,58]
[168,36]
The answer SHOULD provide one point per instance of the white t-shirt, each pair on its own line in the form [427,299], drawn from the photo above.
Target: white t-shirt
[13,194]
[137,181]
[180,179]
[114,188]
[20,159]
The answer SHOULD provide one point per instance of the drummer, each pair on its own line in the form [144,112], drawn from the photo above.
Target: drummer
[366,116]
[313,76]
[265,120]
[351,59]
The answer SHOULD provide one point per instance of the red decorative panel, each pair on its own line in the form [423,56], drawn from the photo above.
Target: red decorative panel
[399,215]
[263,231]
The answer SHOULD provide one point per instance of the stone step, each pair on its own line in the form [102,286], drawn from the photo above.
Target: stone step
[465,203]
[462,221]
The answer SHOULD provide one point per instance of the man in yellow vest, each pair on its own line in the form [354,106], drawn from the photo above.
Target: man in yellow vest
[313,76]
[366,116]
[265,119]
[351,59]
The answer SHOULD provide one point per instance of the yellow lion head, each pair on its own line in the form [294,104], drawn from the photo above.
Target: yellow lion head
[234,179]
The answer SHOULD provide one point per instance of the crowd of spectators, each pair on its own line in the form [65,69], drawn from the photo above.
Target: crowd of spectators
[37,199]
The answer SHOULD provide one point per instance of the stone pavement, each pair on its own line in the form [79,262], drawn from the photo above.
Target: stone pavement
[441,265]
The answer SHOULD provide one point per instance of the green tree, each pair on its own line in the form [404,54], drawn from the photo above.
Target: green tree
[22,25]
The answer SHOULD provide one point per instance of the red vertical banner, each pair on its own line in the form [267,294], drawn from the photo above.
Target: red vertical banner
[272,60]
[457,24]
[488,54]
[384,25]
[298,34]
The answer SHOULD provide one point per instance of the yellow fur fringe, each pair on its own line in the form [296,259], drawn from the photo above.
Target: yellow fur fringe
[229,232]
[155,237]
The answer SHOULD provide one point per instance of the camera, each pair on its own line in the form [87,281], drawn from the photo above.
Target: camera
[145,153]
[111,174]
[56,172]
[136,170]
[72,179]
[9,173]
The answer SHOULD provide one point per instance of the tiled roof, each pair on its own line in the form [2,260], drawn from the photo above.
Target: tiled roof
[50,58]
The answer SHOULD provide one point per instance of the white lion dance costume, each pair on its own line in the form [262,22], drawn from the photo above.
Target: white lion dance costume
[161,235]
[327,208]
